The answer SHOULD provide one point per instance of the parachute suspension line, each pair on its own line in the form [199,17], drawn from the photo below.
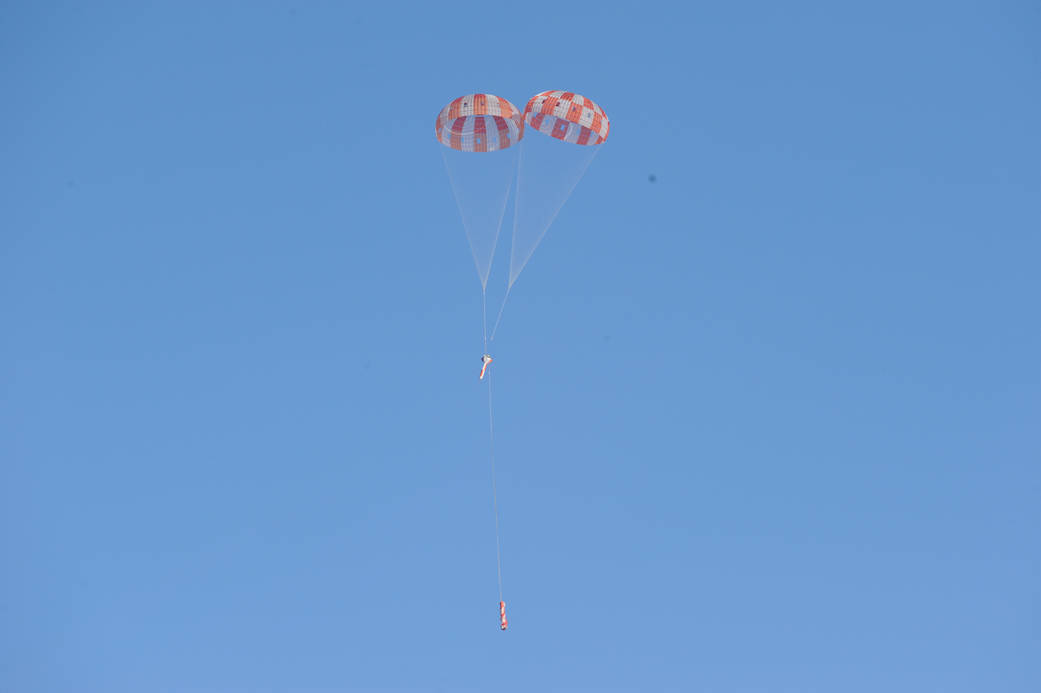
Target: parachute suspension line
[459,204]
[516,212]
[515,271]
[501,308]
[495,495]
[484,318]
[482,264]
[516,206]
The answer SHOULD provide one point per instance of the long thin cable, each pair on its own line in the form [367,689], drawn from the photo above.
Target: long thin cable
[495,495]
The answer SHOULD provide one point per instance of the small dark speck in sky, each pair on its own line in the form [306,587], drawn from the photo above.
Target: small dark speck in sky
[652,178]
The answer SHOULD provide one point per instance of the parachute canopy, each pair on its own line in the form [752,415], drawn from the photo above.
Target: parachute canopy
[567,116]
[479,123]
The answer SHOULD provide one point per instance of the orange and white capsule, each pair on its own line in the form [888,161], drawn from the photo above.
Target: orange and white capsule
[502,615]
[486,361]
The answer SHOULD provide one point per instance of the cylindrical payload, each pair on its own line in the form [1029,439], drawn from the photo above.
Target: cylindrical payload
[502,615]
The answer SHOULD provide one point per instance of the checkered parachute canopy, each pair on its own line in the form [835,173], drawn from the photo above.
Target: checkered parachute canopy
[567,116]
[479,123]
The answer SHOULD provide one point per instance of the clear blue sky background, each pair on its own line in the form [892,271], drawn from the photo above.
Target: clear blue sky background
[767,424]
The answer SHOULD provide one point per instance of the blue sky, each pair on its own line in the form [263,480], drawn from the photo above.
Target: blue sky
[769,423]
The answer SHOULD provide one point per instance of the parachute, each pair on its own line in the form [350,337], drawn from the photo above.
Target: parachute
[479,123]
[476,131]
[485,150]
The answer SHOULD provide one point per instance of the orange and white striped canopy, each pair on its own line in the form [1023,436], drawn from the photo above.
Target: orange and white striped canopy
[567,116]
[479,123]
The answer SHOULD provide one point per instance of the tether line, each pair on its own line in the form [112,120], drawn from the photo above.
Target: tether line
[495,497]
